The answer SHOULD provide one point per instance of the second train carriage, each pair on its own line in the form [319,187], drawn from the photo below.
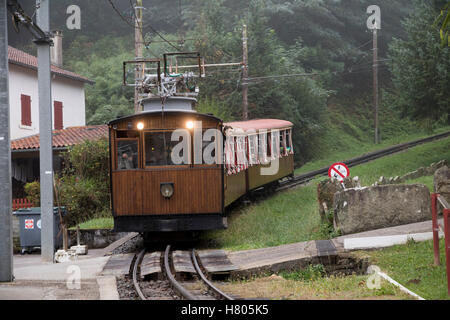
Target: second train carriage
[151,193]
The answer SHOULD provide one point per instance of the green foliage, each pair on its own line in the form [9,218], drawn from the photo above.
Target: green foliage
[310,273]
[444,21]
[107,99]
[88,160]
[83,187]
[33,192]
[421,68]
[412,266]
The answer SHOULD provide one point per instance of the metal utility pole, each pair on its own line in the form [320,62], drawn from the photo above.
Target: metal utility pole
[375,83]
[6,239]
[138,46]
[245,74]
[45,131]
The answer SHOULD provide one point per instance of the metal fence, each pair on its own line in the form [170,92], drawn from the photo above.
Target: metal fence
[435,199]
[21,204]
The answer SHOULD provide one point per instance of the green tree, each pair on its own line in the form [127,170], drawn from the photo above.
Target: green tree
[421,67]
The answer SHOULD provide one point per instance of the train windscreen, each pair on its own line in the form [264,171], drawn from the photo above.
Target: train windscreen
[158,149]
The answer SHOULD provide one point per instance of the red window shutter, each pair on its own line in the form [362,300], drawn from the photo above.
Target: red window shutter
[26,110]
[58,115]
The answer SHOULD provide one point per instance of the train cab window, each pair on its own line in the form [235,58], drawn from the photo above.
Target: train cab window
[288,141]
[209,147]
[158,149]
[127,134]
[127,154]
[282,142]
[269,144]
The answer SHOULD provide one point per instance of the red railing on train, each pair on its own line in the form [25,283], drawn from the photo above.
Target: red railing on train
[22,203]
[435,199]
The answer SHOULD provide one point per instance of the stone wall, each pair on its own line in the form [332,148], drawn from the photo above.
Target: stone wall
[95,239]
[370,208]
[421,172]
[325,194]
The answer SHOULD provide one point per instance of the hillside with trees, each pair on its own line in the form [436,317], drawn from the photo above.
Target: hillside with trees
[327,39]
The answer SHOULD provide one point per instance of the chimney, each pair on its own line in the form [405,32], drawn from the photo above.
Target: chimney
[56,55]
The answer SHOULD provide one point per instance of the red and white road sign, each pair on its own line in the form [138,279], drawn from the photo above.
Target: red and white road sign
[338,171]
[29,224]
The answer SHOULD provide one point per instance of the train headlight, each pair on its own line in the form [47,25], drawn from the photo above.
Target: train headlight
[167,190]
[190,125]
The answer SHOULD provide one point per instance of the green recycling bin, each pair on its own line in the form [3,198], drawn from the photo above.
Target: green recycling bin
[30,228]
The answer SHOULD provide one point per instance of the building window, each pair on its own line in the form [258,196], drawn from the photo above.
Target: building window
[58,113]
[26,110]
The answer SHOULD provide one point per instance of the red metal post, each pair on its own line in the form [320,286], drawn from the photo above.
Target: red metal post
[434,197]
[447,244]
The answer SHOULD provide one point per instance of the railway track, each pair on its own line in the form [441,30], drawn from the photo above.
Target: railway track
[306,177]
[192,284]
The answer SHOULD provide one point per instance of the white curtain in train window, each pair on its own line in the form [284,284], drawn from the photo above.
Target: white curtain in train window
[241,153]
[253,150]
[262,149]
[230,162]
[291,146]
[275,144]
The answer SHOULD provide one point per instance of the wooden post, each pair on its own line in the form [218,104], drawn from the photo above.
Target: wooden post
[437,260]
[245,74]
[447,245]
[375,83]
[65,238]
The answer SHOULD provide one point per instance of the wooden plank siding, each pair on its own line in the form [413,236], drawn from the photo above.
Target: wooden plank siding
[196,191]
[235,185]
[256,180]
[197,188]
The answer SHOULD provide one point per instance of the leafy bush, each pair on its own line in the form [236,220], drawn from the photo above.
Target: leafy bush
[310,273]
[33,191]
[83,186]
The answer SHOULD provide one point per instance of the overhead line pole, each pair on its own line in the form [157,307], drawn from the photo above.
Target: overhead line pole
[245,74]
[138,44]
[6,239]
[375,83]
[45,131]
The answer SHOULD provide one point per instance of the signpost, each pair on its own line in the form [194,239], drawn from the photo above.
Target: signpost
[339,171]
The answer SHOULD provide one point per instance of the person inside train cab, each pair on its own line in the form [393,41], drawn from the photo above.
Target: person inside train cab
[126,161]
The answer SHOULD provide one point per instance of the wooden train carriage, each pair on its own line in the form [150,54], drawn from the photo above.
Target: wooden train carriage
[149,191]
[257,153]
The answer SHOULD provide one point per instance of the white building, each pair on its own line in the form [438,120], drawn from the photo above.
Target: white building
[68,95]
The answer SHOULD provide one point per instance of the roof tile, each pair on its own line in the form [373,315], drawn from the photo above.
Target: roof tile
[19,57]
[63,138]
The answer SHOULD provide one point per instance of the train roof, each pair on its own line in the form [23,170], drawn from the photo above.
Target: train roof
[137,115]
[260,124]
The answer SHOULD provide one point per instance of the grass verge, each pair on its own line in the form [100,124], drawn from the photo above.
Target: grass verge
[292,216]
[98,223]
[291,286]
[412,266]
